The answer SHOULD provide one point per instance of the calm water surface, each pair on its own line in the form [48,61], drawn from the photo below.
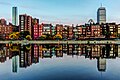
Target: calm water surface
[59,62]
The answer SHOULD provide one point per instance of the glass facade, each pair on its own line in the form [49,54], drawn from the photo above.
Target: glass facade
[14,16]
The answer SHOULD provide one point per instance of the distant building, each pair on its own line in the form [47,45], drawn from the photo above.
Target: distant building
[101,64]
[3,22]
[14,63]
[101,15]
[5,30]
[15,19]
[14,16]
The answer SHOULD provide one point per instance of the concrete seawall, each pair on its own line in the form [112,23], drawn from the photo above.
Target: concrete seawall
[62,42]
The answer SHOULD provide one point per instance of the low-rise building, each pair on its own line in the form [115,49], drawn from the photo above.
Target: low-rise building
[65,32]
[5,30]
[70,32]
[46,29]
[95,31]
[35,30]
[59,29]
[113,29]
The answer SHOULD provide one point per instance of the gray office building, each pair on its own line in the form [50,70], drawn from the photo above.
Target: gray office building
[101,15]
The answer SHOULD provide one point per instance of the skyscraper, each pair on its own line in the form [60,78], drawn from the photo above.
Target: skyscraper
[101,64]
[101,15]
[14,64]
[15,19]
[14,16]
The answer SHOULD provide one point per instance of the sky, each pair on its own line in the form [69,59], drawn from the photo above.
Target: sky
[61,11]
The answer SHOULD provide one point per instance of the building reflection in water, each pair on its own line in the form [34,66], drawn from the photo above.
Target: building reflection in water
[30,53]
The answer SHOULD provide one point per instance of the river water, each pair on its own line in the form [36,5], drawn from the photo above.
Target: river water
[59,62]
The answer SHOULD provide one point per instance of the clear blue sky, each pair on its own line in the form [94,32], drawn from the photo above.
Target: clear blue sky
[61,11]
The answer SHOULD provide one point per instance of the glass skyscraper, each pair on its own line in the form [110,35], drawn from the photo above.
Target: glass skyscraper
[14,64]
[14,16]
[101,15]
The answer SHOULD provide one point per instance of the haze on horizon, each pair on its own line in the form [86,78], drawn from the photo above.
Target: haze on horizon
[61,11]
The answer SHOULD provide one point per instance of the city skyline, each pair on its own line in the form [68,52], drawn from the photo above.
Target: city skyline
[65,12]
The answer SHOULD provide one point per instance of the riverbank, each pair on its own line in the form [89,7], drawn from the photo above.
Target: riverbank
[62,42]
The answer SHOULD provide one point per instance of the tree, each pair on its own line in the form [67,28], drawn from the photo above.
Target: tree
[28,37]
[23,34]
[43,37]
[118,35]
[57,37]
[49,37]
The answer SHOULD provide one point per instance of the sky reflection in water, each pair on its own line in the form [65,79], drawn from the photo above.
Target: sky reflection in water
[63,62]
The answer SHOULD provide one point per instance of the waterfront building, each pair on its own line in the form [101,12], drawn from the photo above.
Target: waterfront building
[23,57]
[80,31]
[96,51]
[113,30]
[59,53]
[95,31]
[40,30]
[83,35]
[35,58]
[5,30]
[105,30]
[25,23]
[2,56]
[35,28]
[88,30]
[47,54]
[118,30]
[75,33]
[54,30]
[65,32]
[59,29]
[3,22]
[119,51]
[70,33]
[40,50]
[47,29]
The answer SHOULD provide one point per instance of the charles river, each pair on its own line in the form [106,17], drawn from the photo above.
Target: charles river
[59,61]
